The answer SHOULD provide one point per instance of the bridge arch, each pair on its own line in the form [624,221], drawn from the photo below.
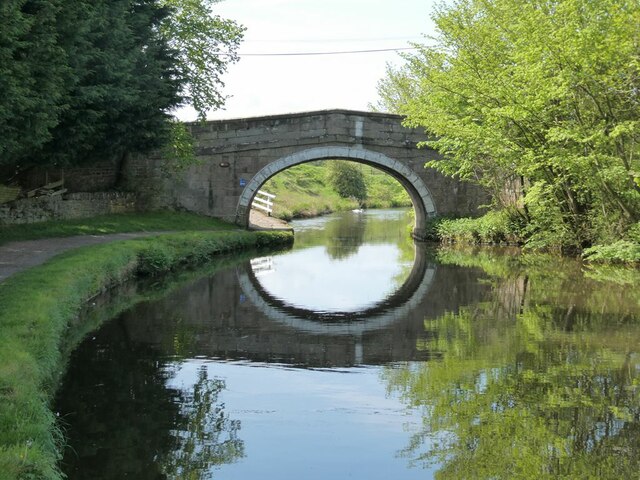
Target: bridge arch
[421,198]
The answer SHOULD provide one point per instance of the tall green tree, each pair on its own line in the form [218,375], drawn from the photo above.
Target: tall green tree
[123,82]
[544,92]
[87,80]
[33,72]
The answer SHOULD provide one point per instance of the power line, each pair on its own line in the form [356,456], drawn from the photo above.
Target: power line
[334,40]
[299,54]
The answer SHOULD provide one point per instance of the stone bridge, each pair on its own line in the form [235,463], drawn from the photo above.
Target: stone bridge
[238,156]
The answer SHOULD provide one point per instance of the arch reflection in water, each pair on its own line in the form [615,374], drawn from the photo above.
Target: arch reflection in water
[342,264]
[402,304]
[232,316]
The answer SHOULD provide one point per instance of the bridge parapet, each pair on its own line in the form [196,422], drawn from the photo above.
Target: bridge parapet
[305,129]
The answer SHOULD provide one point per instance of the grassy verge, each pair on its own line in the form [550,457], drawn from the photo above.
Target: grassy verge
[507,228]
[135,222]
[305,191]
[38,306]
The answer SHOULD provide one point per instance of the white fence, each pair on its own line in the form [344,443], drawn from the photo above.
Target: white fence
[262,266]
[263,201]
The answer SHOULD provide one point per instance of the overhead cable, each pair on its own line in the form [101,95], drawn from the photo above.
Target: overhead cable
[299,54]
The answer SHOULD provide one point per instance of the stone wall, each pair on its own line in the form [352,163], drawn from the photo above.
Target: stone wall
[96,177]
[66,207]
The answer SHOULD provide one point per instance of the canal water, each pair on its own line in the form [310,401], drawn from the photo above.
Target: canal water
[358,354]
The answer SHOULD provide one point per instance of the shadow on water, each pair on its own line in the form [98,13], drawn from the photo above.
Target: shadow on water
[473,365]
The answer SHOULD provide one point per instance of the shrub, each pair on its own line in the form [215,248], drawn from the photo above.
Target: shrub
[348,180]
[155,259]
[622,251]
[496,227]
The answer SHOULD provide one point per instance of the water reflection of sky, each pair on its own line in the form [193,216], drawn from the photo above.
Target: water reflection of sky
[312,424]
[318,223]
[329,285]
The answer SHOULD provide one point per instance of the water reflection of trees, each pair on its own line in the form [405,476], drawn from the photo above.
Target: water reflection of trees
[205,437]
[343,233]
[114,385]
[530,386]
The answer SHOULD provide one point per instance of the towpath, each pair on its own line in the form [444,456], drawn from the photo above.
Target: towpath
[18,256]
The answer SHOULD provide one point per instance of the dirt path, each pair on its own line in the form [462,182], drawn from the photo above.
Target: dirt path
[260,221]
[18,256]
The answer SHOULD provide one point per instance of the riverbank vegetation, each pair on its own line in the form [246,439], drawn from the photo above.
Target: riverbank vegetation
[34,322]
[316,188]
[538,103]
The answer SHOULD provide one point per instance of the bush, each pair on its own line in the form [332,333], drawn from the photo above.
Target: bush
[633,233]
[348,180]
[155,260]
[496,227]
[622,251]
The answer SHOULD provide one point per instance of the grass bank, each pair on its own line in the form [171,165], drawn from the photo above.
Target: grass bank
[38,307]
[118,223]
[509,228]
[305,191]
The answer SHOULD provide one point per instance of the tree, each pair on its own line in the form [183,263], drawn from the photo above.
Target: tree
[544,92]
[206,44]
[348,180]
[33,73]
[123,82]
[86,81]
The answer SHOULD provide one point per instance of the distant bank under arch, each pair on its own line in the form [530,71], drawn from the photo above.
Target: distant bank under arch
[423,203]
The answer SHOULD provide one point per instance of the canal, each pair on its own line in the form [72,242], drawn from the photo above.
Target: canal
[359,354]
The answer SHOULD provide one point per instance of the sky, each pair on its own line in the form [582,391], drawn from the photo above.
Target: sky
[287,84]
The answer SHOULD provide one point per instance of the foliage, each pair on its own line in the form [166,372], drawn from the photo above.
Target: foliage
[33,72]
[347,179]
[34,322]
[495,227]
[303,191]
[622,251]
[383,191]
[118,81]
[633,233]
[178,153]
[206,44]
[96,80]
[541,94]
